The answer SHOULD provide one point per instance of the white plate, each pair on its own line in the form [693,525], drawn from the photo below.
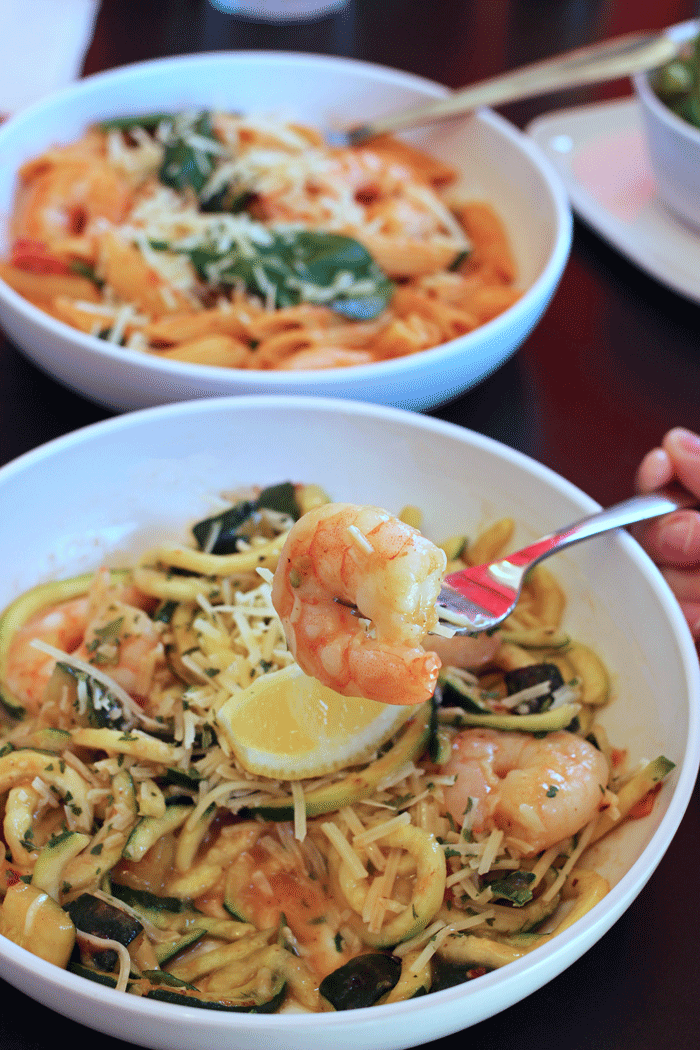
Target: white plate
[600,153]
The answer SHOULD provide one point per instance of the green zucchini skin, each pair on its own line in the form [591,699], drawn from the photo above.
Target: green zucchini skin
[149,829]
[107,979]
[167,950]
[232,903]
[98,918]
[543,722]
[149,903]
[244,1001]
[101,919]
[361,981]
[52,861]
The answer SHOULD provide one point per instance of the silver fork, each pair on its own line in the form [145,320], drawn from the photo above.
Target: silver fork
[480,598]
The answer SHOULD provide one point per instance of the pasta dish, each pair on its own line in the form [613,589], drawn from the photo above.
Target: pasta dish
[247,242]
[193,814]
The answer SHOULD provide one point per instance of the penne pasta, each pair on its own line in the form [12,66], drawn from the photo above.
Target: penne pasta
[246,242]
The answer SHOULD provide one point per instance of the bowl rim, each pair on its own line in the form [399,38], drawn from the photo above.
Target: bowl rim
[537,963]
[275,380]
[650,100]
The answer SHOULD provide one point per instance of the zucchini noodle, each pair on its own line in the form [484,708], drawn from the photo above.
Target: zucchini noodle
[141,851]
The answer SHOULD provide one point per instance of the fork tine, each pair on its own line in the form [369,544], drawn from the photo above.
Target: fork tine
[457,611]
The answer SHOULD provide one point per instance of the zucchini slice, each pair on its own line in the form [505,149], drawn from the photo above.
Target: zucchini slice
[50,864]
[135,742]
[33,919]
[546,637]
[595,683]
[541,675]
[102,709]
[428,891]
[457,692]
[543,722]
[633,792]
[192,836]
[98,918]
[24,764]
[362,981]
[247,999]
[51,740]
[149,829]
[167,950]
[356,785]
[171,913]
[105,849]
[90,974]
[221,533]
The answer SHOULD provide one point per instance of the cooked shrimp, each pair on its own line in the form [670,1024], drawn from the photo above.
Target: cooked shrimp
[61,201]
[537,791]
[356,192]
[467,651]
[366,558]
[101,627]
[29,669]
[126,643]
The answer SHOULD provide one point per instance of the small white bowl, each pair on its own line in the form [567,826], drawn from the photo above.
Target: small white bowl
[497,162]
[138,477]
[673,144]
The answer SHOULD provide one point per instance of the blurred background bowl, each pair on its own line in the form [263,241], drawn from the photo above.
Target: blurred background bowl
[496,162]
[673,143]
[146,476]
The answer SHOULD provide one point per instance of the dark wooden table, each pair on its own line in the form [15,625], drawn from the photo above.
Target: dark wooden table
[614,363]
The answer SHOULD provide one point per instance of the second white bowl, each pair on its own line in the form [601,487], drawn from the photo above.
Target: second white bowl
[673,144]
[496,161]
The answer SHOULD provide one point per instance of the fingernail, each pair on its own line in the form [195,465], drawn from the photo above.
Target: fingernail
[655,469]
[688,441]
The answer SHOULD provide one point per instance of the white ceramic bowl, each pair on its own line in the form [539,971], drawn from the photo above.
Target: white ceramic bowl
[149,474]
[673,144]
[498,164]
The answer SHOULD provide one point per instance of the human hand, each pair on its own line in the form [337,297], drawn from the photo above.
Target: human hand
[673,541]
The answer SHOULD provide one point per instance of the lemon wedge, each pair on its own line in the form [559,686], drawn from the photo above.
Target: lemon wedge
[288,726]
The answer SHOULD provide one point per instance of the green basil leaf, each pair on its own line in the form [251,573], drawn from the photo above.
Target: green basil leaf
[515,887]
[149,121]
[185,163]
[289,267]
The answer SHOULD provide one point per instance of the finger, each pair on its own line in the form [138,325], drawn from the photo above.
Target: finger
[685,584]
[673,540]
[655,470]
[691,611]
[683,449]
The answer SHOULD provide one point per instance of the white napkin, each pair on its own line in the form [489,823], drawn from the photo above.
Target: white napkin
[42,47]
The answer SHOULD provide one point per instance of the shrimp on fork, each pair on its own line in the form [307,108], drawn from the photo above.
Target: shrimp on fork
[341,555]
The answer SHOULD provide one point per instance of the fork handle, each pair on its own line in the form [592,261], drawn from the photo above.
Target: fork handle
[619,57]
[629,511]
